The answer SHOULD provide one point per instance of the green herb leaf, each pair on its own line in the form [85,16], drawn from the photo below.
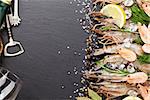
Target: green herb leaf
[122,72]
[138,40]
[93,95]
[109,28]
[98,62]
[144,59]
[138,15]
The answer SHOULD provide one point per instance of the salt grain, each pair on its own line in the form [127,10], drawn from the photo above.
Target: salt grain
[76,72]
[69,73]
[81,11]
[59,52]
[70,96]
[74,92]
[79,54]
[76,11]
[75,84]
[68,47]
[75,53]
[83,3]
[78,4]
[62,86]
[80,94]
[70,2]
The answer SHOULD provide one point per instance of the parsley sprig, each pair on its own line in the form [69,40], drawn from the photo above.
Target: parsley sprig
[138,15]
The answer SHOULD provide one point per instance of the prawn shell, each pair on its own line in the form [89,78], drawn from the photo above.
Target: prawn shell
[127,54]
[139,77]
[146,48]
[144,34]
[145,91]
[146,7]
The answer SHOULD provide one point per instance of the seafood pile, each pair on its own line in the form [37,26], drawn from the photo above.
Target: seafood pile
[118,51]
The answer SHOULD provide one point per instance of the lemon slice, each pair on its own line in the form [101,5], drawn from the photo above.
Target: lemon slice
[83,98]
[132,98]
[116,12]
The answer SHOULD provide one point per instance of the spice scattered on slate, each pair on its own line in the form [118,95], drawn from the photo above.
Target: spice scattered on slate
[83,7]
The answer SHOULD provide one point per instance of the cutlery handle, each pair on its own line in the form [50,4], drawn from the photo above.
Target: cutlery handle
[12,44]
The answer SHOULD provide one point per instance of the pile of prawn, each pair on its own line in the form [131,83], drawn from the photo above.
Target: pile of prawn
[112,68]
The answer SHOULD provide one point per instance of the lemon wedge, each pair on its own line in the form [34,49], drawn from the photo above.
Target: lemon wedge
[132,98]
[116,12]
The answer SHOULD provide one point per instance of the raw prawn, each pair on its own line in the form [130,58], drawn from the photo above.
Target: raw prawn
[108,49]
[145,91]
[116,37]
[117,89]
[144,33]
[114,49]
[138,77]
[111,37]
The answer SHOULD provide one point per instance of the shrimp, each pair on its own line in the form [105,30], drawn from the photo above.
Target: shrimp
[116,37]
[108,49]
[115,48]
[108,1]
[144,33]
[138,77]
[117,89]
[112,37]
[145,91]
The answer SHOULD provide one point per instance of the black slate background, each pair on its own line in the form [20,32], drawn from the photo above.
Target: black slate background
[48,26]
